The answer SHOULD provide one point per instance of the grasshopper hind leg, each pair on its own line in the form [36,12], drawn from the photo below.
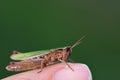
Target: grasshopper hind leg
[41,63]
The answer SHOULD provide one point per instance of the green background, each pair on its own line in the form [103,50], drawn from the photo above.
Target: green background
[28,25]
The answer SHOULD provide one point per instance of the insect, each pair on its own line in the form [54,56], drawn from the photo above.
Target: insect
[40,59]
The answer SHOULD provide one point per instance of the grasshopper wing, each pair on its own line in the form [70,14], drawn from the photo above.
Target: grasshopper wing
[27,55]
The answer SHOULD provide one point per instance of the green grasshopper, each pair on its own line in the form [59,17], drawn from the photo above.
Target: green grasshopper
[40,59]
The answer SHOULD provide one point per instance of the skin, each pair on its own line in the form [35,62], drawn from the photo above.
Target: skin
[56,72]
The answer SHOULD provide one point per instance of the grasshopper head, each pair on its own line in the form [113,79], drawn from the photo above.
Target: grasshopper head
[68,49]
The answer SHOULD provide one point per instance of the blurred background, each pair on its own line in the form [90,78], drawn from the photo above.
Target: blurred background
[30,25]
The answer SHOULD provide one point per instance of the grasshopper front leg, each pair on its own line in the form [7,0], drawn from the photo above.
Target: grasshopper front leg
[70,60]
[64,59]
[66,64]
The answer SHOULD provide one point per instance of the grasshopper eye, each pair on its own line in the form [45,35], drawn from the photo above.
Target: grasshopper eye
[68,49]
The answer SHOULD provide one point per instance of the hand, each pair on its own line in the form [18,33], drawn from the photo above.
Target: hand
[56,72]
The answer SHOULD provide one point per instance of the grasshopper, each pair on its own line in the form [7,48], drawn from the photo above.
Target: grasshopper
[40,59]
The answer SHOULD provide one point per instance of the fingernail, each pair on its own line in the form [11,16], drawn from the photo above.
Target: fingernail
[81,72]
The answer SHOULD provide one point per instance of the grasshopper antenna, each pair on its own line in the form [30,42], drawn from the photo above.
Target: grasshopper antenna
[78,42]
